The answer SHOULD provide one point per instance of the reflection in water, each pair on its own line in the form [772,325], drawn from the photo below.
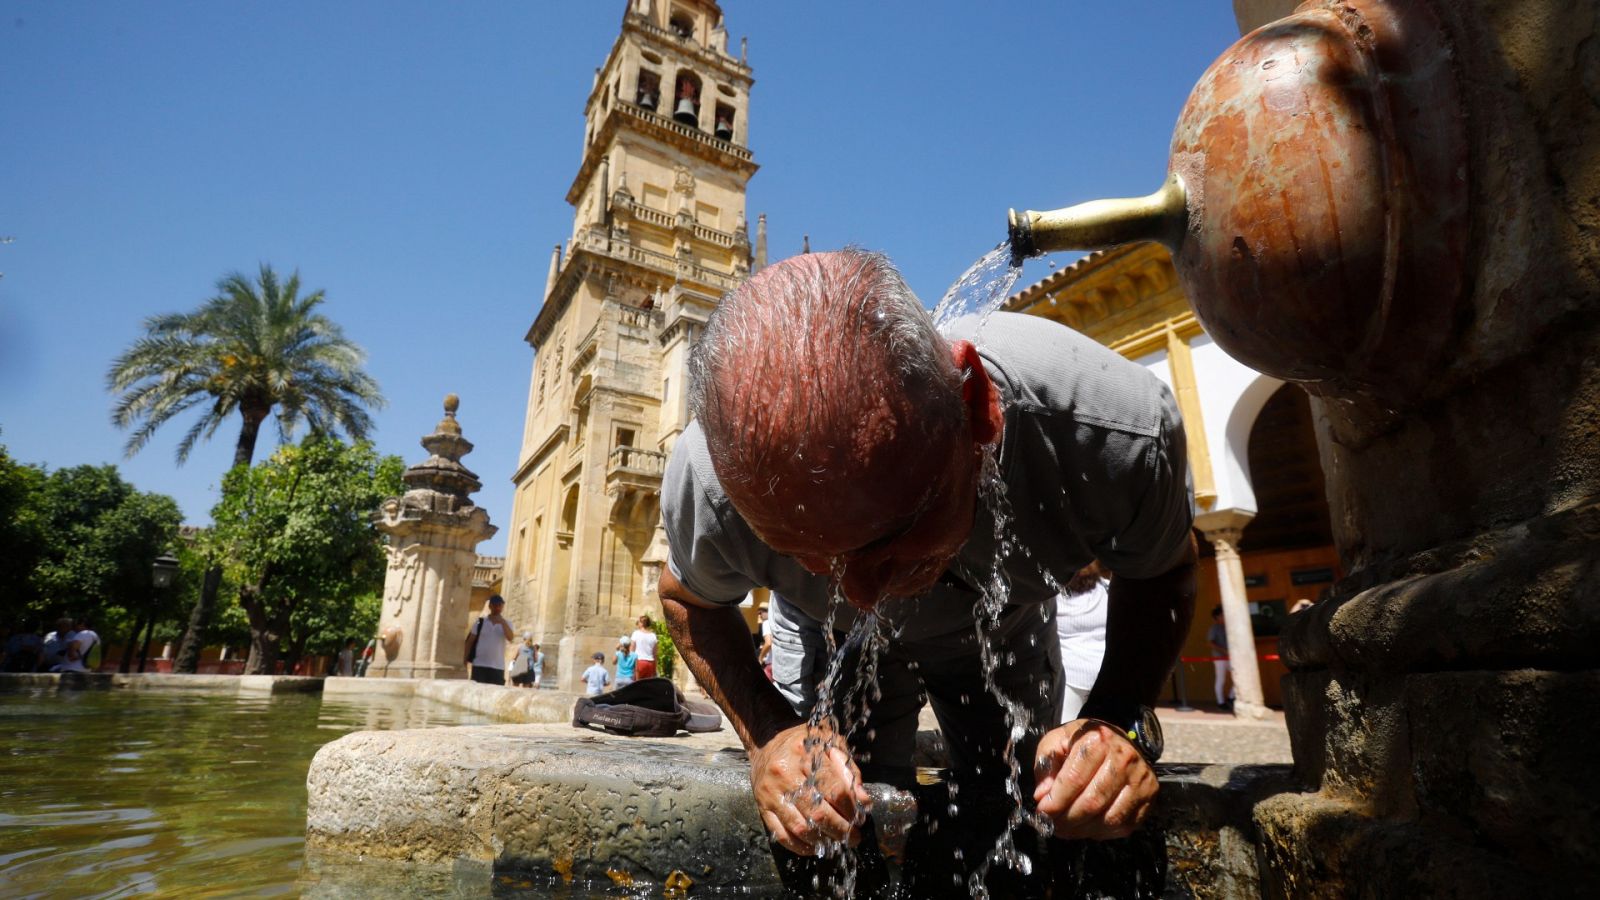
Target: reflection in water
[118,793]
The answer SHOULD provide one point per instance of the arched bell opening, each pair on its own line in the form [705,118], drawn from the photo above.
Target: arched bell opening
[686,106]
[647,94]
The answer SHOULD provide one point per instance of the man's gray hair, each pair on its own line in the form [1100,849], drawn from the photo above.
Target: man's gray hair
[814,353]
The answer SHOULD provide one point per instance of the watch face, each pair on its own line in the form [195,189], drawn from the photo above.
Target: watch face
[1150,729]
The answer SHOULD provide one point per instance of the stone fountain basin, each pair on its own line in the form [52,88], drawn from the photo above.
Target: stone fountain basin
[546,800]
[552,803]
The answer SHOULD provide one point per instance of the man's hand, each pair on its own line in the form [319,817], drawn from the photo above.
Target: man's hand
[800,813]
[1093,783]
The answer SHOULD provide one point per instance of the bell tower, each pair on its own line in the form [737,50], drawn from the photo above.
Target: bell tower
[659,232]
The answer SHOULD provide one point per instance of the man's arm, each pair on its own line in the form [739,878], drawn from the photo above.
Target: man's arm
[1146,623]
[714,643]
[1093,782]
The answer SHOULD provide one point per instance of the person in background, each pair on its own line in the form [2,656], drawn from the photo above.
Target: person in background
[493,633]
[764,639]
[56,643]
[596,677]
[347,659]
[1081,629]
[366,658]
[522,670]
[86,643]
[627,661]
[23,649]
[644,645]
[1217,637]
[538,666]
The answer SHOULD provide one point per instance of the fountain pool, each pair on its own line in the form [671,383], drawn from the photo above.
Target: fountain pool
[128,792]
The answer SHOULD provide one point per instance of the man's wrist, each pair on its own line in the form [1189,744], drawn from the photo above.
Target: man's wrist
[1133,721]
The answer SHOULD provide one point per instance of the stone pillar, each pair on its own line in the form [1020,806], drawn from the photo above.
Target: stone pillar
[433,531]
[1223,528]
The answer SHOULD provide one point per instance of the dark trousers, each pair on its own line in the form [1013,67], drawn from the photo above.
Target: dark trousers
[484,675]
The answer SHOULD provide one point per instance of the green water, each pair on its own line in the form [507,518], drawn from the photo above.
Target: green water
[129,793]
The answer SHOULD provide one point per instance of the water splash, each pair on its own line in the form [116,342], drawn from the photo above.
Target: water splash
[841,711]
[980,290]
[996,594]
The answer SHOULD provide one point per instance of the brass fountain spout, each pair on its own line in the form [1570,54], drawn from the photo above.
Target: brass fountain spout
[1100,224]
[1316,200]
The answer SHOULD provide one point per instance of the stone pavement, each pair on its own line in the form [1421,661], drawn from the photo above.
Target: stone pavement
[1201,736]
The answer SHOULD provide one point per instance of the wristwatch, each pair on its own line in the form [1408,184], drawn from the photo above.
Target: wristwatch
[1133,721]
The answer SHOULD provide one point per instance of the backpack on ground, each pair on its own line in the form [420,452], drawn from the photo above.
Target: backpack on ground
[650,707]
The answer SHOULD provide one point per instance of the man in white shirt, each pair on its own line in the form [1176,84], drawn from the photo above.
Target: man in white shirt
[492,631]
[58,647]
[644,644]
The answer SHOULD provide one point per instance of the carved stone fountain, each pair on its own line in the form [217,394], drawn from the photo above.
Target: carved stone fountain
[434,530]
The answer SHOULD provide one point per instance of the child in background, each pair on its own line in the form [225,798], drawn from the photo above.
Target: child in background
[626,661]
[596,676]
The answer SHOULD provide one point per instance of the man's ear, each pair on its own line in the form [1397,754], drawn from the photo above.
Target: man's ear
[978,394]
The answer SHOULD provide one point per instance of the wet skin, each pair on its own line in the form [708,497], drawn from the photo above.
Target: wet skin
[889,521]
[888,530]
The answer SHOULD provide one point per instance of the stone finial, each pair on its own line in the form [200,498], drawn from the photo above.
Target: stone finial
[449,425]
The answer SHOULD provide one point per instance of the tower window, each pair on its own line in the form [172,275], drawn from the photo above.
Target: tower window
[682,24]
[725,121]
[687,91]
[649,93]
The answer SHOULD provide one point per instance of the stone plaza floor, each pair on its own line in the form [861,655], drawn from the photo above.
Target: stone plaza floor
[1202,736]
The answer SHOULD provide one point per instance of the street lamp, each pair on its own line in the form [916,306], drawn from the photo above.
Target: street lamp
[163,570]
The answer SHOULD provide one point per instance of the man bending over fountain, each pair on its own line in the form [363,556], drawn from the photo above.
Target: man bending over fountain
[841,443]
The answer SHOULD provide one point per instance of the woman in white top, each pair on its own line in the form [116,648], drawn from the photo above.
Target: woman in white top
[644,645]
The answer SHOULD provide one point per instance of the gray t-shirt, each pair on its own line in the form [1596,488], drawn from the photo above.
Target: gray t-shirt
[1094,463]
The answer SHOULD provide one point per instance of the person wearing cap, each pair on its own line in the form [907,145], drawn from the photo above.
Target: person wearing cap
[596,677]
[626,661]
[488,639]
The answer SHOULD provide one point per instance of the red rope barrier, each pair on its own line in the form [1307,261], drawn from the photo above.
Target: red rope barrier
[1270,657]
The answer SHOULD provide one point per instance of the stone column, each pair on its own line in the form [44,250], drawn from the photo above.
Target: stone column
[1223,528]
[433,530]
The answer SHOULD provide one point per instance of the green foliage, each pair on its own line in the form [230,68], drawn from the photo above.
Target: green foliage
[22,534]
[297,533]
[666,650]
[80,541]
[254,348]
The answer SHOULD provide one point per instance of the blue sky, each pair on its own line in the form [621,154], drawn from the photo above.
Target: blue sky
[410,159]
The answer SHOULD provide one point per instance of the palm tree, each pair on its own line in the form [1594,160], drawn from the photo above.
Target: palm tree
[254,348]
